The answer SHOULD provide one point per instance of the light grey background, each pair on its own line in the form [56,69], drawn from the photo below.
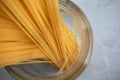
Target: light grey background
[104,17]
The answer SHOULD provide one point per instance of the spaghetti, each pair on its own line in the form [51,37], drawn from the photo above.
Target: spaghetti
[34,29]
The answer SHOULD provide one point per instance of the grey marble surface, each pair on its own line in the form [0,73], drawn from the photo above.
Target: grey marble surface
[104,17]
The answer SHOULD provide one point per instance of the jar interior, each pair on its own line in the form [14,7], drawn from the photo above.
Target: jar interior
[46,69]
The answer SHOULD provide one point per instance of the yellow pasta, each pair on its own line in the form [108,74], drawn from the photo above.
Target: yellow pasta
[34,29]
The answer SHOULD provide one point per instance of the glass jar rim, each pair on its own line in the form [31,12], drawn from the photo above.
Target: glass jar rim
[80,65]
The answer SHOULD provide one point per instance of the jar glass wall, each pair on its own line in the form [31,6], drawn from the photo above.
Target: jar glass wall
[79,24]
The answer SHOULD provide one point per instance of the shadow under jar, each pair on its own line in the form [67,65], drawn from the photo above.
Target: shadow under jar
[78,23]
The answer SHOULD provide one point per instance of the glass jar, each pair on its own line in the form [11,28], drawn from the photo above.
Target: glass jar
[77,22]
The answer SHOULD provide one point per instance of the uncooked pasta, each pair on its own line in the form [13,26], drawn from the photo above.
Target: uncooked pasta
[33,31]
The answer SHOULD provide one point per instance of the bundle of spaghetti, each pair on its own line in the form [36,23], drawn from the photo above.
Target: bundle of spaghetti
[31,30]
